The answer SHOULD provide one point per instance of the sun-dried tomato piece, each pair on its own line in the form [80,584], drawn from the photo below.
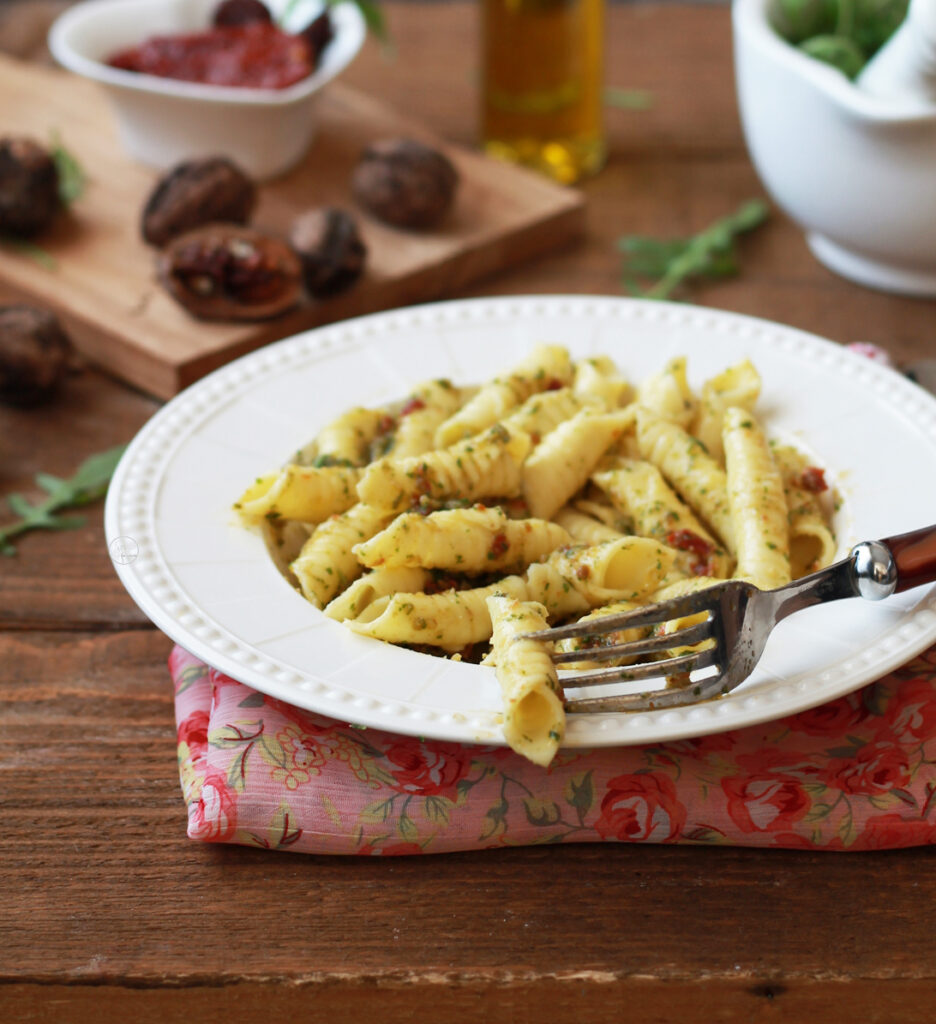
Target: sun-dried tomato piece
[813,479]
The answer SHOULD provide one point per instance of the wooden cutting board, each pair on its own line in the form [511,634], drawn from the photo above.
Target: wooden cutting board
[104,285]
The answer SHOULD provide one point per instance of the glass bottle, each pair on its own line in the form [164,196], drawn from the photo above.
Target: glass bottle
[543,67]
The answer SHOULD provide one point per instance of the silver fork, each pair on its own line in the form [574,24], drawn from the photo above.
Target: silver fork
[739,618]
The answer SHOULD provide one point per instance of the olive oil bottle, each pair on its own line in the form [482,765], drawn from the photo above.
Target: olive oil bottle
[543,67]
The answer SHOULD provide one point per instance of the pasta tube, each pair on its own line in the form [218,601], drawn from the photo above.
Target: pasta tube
[373,585]
[738,385]
[307,493]
[534,717]
[422,414]
[758,505]
[326,563]
[689,469]
[812,544]
[346,439]
[668,394]
[450,620]
[628,569]
[639,491]
[547,366]
[481,467]
[583,528]
[562,463]
[471,540]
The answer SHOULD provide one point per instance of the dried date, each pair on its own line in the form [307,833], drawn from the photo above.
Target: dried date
[29,187]
[195,193]
[330,248]
[227,272]
[405,183]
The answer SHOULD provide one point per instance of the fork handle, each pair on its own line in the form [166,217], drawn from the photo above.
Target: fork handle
[915,557]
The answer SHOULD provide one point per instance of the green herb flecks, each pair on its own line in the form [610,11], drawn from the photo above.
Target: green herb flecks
[674,263]
[88,484]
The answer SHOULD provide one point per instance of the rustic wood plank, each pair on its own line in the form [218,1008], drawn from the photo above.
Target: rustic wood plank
[522,1000]
[65,579]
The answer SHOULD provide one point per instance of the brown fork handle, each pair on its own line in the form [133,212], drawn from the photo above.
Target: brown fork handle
[915,555]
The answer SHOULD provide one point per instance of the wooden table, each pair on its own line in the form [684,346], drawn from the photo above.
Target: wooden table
[109,913]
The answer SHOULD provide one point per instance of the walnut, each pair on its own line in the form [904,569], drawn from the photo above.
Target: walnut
[405,183]
[330,248]
[194,193]
[29,194]
[228,272]
[34,355]
[240,12]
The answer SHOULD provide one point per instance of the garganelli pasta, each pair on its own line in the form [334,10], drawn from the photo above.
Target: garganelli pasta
[462,518]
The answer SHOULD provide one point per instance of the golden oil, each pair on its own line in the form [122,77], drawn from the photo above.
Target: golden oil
[543,69]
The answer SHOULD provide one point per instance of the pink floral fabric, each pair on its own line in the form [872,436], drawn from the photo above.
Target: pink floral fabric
[858,773]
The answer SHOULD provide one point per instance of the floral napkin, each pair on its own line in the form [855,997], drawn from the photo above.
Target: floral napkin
[858,773]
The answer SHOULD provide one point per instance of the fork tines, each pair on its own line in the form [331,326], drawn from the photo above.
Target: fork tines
[648,615]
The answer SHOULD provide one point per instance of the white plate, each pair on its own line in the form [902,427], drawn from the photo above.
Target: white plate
[211,586]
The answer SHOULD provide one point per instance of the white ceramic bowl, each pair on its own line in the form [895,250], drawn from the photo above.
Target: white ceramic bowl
[162,121]
[856,172]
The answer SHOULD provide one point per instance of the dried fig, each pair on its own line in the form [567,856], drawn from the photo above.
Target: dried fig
[29,192]
[330,248]
[34,354]
[228,272]
[405,183]
[240,12]
[194,193]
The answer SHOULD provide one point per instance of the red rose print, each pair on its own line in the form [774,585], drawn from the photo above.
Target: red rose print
[765,802]
[911,715]
[193,730]
[427,769]
[875,768]
[832,719]
[641,808]
[890,831]
[702,746]
[794,841]
[213,817]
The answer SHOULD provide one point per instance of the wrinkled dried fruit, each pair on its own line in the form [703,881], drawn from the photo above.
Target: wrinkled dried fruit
[240,12]
[194,193]
[29,195]
[330,248]
[405,183]
[227,272]
[34,355]
[318,34]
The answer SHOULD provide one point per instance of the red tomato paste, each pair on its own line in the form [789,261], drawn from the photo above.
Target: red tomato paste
[256,56]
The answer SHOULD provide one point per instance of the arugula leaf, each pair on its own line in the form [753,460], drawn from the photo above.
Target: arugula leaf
[89,483]
[673,263]
[71,175]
